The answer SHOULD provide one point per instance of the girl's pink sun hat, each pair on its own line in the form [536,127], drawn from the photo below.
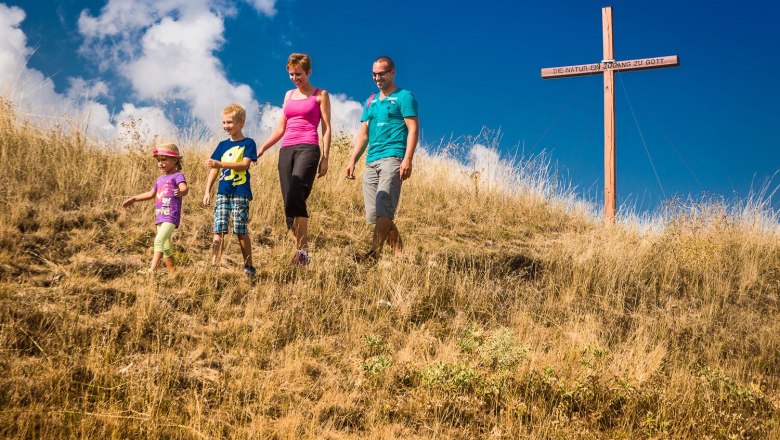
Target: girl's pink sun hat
[170,153]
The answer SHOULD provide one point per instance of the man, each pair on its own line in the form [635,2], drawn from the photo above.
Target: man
[389,126]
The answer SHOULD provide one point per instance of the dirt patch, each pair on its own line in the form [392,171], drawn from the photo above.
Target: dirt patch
[498,263]
[29,222]
[343,418]
[100,299]
[18,268]
[69,221]
[105,270]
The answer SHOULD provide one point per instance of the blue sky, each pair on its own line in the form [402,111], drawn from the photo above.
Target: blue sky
[709,125]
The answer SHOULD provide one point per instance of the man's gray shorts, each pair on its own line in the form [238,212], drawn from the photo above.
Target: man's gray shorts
[382,188]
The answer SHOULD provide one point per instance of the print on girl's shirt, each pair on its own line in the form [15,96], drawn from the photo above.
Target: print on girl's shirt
[163,203]
[168,207]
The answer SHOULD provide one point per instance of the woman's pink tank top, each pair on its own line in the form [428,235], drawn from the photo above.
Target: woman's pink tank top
[303,117]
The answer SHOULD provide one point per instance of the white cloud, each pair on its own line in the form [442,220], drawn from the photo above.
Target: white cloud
[345,113]
[267,121]
[28,87]
[81,89]
[161,48]
[167,47]
[144,124]
[33,94]
[264,6]
[487,166]
[96,118]
[178,58]
[113,35]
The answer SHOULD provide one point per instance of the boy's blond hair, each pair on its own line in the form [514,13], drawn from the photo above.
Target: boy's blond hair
[235,110]
[300,59]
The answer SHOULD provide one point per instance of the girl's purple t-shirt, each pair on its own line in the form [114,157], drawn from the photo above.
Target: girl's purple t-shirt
[167,208]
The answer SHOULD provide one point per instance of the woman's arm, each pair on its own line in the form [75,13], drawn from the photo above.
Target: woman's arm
[274,137]
[278,132]
[325,123]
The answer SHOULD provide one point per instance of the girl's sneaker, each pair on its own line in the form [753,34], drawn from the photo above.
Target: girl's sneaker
[301,258]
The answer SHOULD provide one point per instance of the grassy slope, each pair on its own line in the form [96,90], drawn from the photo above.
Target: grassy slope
[510,316]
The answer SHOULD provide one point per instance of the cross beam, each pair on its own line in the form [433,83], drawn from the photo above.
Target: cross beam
[597,68]
[607,67]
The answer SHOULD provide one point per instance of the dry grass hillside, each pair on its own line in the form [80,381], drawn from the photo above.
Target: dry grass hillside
[511,315]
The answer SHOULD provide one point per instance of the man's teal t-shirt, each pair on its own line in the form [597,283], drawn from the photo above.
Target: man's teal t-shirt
[387,130]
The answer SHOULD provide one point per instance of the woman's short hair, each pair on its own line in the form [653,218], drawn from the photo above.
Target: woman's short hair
[301,60]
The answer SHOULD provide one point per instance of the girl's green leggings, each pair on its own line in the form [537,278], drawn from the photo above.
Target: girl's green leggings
[162,242]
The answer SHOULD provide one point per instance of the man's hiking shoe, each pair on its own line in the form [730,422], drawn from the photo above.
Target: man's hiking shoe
[369,257]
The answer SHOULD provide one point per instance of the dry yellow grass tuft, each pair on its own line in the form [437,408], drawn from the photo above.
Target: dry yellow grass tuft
[511,314]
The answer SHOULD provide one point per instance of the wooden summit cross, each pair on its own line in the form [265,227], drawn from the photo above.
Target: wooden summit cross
[608,66]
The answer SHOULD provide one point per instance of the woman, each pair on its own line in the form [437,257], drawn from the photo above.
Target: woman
[305,108]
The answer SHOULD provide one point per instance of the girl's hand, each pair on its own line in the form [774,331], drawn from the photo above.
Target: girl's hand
[128,203]
[323,170]
[182,190]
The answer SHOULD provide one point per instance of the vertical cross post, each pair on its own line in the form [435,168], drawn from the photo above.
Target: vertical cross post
[610,203]
[608,66]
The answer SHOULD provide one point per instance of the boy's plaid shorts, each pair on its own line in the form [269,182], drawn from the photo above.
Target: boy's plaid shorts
[235,206]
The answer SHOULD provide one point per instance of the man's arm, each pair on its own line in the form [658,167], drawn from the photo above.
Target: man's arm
[412,124]
[361,139]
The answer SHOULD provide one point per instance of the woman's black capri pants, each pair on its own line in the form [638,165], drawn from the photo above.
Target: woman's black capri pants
[297,169]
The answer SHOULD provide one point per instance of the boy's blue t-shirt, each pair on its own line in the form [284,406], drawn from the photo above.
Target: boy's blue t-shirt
[387,130]
[233,181]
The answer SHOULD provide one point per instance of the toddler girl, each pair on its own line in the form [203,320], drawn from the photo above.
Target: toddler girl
[167,191]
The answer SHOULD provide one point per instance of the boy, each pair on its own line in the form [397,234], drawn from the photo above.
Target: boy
[230,161]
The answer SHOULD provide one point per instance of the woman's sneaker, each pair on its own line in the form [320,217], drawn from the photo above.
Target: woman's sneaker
[250,270]
[301,258]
